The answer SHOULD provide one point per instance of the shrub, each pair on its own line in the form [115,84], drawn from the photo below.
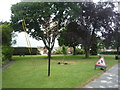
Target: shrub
[24,51]
[109,52]
[57,52]
[79,51]
[64,50]
[7,52]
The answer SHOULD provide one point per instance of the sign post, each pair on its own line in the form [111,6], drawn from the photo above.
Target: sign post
[101,63]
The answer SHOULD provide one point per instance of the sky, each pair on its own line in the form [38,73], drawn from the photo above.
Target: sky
[5,15]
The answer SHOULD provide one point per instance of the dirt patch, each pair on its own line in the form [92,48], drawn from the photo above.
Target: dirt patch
[61,61]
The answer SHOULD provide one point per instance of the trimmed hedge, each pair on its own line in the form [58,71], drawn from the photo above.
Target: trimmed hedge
[24,51]
[109,52]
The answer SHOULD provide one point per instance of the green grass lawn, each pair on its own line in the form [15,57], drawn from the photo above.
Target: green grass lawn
[31,72]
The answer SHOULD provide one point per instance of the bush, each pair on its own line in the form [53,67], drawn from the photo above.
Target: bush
[64,50]
[7,52]
[24,51]
[58,52]
[79,51]
[109,52]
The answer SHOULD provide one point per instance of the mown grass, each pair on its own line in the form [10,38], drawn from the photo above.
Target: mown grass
[31,72]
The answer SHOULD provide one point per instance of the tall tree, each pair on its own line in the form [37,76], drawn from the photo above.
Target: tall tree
[44,20]
[94,18]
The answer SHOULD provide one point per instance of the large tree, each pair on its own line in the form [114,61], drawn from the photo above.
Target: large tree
[94,18]
[43,20]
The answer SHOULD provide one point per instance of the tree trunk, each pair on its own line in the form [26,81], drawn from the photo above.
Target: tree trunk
[49,57]
[63,58]
[74,50]
[86,51]
[117,50]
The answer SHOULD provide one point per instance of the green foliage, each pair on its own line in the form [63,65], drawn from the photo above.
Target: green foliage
[94,18]
[94,48]
[64,50]
[109,52]
[6,34]
[38,15]
[58,52]
[79,51]
[69,36]
[7,53]
[112,38]
[44,20]
[100,43]
[90,17]
[24,51]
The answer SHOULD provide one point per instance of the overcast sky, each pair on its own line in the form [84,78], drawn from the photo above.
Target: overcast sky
[5,6]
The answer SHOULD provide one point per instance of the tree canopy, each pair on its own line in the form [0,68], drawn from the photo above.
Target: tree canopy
[94,18]
[43,19]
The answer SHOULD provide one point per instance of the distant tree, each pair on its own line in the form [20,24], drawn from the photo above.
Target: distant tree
[44,20]
[69,36]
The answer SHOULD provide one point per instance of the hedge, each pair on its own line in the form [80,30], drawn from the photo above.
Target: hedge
[7,52]
[24,51]
[109,52]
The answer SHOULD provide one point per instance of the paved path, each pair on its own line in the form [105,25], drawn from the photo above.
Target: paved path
[108,80]
[6,65]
